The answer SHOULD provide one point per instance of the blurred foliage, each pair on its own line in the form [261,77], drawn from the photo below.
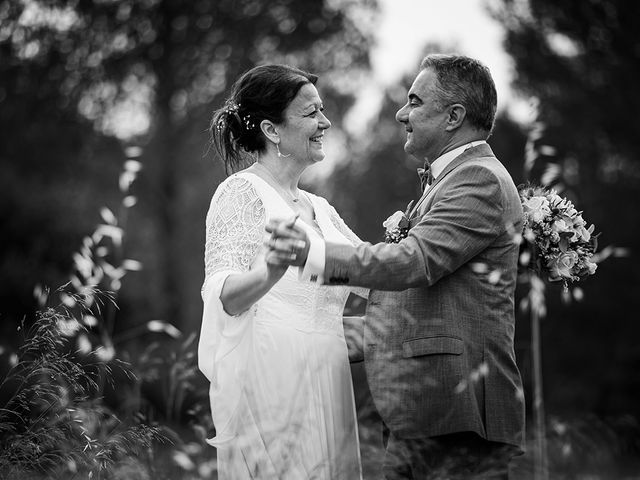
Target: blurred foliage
[581,62]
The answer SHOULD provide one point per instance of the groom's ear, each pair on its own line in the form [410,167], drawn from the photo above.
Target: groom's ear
[457,114]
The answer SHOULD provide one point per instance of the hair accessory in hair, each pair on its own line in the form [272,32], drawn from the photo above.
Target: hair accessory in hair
[249,123]
[231,108]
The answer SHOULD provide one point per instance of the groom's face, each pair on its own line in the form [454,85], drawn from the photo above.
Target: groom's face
[423,118]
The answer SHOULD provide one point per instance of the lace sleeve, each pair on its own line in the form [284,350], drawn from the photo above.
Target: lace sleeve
[235,227]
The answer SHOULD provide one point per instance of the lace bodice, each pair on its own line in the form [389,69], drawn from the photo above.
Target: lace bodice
[235,231]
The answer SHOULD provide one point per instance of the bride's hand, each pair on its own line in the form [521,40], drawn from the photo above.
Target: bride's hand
[274,262]
[274,267]
[289,242]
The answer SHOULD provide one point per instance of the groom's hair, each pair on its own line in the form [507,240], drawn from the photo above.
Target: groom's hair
[466,81]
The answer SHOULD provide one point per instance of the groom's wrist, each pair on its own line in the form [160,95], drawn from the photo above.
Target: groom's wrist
[313,268]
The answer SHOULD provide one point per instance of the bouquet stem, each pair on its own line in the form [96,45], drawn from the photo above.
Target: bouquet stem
[541,465]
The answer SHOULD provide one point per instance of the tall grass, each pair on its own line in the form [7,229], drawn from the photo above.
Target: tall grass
[53,423]
[55,419]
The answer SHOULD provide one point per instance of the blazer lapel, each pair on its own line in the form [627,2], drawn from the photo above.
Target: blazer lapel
[483,150]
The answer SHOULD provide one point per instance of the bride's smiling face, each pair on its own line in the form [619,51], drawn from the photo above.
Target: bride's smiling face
[302,131]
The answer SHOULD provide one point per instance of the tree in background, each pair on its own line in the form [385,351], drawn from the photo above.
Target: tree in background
[580,63]
[83,82]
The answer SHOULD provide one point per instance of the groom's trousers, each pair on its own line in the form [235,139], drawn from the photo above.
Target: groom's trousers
[458,456]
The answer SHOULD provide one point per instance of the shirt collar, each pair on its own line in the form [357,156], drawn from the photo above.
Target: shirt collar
[440,163]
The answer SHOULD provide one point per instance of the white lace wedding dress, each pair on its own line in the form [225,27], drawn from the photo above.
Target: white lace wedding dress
[281,393]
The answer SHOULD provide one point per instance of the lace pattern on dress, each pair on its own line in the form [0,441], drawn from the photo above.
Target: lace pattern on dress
[329,308]
[235,226]
[344,229]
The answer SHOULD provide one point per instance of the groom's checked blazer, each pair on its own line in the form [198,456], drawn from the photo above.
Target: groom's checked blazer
[439,325]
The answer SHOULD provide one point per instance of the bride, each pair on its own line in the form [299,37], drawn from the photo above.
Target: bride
[272,346]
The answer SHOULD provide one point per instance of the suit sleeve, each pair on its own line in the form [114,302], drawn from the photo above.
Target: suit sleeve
[466,216]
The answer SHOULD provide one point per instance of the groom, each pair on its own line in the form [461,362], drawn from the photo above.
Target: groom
[439,325]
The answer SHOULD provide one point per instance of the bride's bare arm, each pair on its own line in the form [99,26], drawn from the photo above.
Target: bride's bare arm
[241,290]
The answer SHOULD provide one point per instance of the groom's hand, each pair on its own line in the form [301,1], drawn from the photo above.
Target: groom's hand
[288,243]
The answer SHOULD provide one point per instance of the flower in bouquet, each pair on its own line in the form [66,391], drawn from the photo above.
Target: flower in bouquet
[558,243]
[397,225]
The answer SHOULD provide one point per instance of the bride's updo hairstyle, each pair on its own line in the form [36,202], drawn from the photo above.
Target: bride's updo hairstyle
[262,93]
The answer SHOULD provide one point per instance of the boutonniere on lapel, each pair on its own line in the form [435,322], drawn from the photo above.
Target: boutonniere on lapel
[397,225]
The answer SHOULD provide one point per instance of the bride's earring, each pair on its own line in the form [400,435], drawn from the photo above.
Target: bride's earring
[279,153]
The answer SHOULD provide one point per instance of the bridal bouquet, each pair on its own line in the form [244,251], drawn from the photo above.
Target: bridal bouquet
[558,243]
[396,227]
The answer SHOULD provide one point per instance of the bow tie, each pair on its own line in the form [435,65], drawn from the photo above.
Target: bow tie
[425,175]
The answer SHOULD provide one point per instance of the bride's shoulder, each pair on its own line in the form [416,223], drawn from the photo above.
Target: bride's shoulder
[236,188]
[236,182]
[316,198]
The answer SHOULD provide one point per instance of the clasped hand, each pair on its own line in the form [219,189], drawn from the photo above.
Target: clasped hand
[288,243]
